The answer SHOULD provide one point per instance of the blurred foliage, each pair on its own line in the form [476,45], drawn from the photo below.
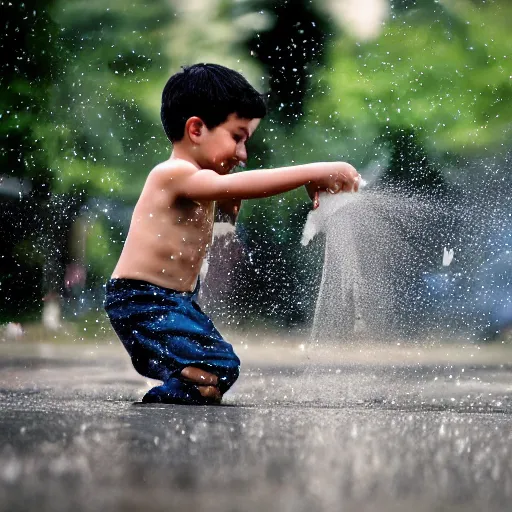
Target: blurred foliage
[78,119]
[99,252]
[29,68]
[104,107]
[82,80]
[442,70]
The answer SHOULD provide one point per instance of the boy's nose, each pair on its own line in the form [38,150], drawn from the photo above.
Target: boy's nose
[241,154]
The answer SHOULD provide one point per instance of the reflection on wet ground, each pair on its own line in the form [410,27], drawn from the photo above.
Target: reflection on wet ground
[304,435]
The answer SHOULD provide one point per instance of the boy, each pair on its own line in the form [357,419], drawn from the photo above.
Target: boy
[208,113]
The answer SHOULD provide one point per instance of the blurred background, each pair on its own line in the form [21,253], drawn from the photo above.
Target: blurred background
[416,94]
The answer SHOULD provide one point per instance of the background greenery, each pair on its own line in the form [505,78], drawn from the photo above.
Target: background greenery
[81,83]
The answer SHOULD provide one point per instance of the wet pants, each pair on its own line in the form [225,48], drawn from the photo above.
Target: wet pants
[164,331]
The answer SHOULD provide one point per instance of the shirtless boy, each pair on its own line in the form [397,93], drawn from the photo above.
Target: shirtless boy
[208,113]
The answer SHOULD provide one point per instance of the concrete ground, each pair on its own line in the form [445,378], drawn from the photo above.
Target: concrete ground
[358,428]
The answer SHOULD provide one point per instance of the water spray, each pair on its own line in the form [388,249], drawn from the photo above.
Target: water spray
[330,202]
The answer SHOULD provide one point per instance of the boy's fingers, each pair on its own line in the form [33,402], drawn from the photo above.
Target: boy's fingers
[316,202]
[199,376]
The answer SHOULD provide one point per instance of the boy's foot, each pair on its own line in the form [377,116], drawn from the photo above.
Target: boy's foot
[175,391]
[199,377]
[206,382]
[210,392]
[203,378]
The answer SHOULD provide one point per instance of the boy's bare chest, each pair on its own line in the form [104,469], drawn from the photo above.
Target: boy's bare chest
[195,214]
[192,226]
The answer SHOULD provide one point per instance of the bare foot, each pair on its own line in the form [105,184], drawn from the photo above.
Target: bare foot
[199,376]
[206,382]
[210,392]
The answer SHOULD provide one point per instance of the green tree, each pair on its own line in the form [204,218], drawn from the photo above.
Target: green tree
[105,106]
[443,72]
[81,84]
[30,64]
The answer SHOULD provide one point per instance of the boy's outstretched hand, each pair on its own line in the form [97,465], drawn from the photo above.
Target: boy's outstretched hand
[338,177]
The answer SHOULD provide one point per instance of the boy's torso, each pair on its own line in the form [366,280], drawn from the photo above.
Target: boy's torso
[168,239]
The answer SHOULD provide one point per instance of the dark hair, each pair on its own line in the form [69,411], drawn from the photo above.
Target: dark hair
[210,92]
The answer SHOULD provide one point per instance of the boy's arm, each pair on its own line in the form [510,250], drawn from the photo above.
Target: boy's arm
[208,185]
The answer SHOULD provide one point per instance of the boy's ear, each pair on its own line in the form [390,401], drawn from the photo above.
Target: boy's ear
[194,128]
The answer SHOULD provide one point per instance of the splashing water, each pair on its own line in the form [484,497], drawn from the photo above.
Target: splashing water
[398,264]
[330,203]
[378,246]
[447,257]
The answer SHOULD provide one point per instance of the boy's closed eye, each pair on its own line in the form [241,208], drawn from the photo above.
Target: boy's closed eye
[239,137]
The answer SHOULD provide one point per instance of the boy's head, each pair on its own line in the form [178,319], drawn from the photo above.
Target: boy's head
[210,92]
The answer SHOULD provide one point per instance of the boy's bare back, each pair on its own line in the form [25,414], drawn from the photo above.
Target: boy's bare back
[169,235]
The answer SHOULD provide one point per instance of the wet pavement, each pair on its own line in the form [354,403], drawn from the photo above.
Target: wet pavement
[303,430]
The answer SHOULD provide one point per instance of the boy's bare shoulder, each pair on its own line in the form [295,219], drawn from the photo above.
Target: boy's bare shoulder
[170,169]
[172,176]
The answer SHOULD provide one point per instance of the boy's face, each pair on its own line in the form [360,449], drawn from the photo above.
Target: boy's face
[224,147]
